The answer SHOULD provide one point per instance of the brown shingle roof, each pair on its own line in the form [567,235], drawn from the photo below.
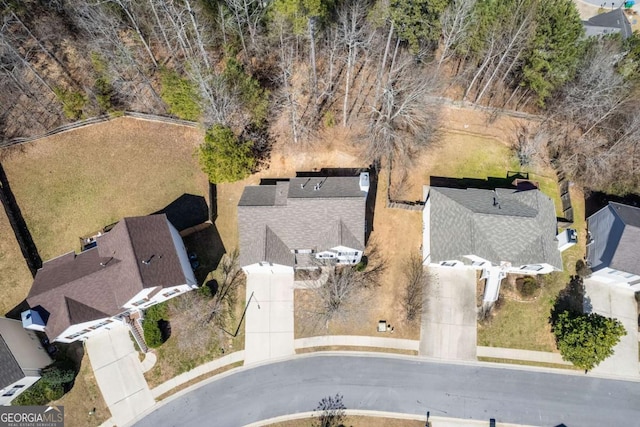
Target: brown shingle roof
[95,284]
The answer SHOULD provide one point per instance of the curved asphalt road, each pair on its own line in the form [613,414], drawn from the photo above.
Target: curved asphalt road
[408,386]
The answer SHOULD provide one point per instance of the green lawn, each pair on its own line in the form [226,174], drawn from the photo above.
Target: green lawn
[461,155]
[525,325]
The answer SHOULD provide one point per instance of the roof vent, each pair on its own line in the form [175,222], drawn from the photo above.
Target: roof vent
[148,261]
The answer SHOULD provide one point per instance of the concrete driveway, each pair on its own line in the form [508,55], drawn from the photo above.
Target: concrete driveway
[119,375]
[618,302]
[269,316]
[449,315]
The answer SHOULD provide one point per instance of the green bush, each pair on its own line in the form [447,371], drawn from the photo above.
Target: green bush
[527,286]
[72,102]
[50,387]
[150,325]
[254,97]
[102,86]
[224,157]
[157,312]
[152,333]
[181,95]
[362,265]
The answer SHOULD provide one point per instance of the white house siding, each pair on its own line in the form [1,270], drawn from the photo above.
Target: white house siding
[610,275]
[182,255]
[14,390]
[87,328]
[426,227]
[348,255]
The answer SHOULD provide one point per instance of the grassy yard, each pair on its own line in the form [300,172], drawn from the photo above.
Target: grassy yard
[83,404]
[76,182]
[525,325]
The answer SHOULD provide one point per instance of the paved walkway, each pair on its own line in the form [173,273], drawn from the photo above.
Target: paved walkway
[269,316]
[181,379]
[524,355]
[449,329]
[616,301]
[433,421]
[118,372]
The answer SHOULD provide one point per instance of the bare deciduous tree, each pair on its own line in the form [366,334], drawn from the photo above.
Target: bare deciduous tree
[331,412]
[415,281]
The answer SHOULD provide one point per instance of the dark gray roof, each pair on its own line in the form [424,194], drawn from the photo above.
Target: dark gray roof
[502,225]
[275,219]
[95,284]
[10,370]
[615,234]
[611,22]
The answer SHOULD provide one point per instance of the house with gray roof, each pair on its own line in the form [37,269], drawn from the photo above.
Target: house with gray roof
[140,262]
[294,223]
[613,245]
[22,357]
[502,230]
[608,23]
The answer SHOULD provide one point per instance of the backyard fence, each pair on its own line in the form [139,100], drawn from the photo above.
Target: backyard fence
[94,120]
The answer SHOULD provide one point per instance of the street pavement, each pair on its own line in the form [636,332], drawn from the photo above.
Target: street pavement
[118,372]
[616,301]
[402,384]
[269,316]
[449,329]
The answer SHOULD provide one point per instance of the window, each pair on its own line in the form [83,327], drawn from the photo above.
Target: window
[74,336]
[142,301]
[101,324]
[173,292]
[12,391]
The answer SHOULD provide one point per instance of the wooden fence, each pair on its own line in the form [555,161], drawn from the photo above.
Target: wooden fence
[94,120]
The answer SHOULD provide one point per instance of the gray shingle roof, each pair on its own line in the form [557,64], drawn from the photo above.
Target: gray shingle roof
[271,225]
[10,370]
[95,284]
[611,22]
[502,225]
[615,230]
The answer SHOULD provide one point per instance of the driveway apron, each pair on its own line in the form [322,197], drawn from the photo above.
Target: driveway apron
[118,372]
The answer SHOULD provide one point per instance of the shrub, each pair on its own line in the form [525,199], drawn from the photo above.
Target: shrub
[582,269]
[151,324]
[181,95]
[254,98]
[224,157]
[50,387]
[527,286]
[72,102]
[152,333]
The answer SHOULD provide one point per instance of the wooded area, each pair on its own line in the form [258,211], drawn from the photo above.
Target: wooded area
[286,69]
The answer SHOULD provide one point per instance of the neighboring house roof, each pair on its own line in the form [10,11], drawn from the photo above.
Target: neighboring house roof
[10,370]
[611,22]
[615,234]
[505,225]
[74,288]
[317,213]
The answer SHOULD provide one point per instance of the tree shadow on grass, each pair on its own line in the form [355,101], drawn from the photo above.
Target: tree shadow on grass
[571,299]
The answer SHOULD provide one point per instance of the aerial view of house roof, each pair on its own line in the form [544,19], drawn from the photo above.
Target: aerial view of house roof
[502,225]
[137,253]
[10,370]
[611,22]
[316,213]
[615,238]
